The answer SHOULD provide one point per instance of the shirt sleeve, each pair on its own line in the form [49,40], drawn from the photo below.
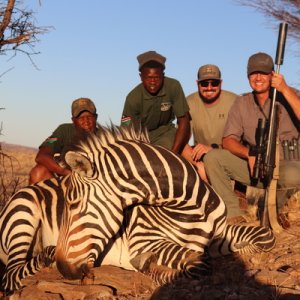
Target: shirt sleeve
[131,111]
[233,126]
[56,140]
[180,105]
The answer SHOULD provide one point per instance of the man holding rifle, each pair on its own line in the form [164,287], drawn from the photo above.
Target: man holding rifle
[234,161]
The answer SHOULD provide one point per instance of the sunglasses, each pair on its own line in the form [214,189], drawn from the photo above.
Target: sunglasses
[205,83]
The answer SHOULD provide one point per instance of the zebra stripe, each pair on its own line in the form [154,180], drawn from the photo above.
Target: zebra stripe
[27,217]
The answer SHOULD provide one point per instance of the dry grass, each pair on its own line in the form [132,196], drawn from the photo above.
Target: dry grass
[15,164]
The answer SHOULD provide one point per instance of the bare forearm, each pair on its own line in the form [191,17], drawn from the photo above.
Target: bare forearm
[293,100]
[235,147]
[278,82]
[51,164]
[182,135]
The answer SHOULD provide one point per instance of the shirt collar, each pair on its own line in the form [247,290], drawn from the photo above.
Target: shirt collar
[148,96]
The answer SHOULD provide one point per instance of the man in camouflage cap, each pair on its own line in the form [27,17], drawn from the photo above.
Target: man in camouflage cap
[236,162]
[156,103]
[84,117]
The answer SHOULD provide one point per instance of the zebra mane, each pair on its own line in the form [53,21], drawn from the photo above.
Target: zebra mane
[111,134]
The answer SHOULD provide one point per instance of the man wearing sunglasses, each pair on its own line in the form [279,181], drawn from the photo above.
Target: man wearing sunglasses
[155,104]
[209,107]
[236,161]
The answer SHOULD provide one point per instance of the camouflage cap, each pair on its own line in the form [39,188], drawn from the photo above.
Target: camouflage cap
[83,104]
[150,56]
[260,62]
[209,72]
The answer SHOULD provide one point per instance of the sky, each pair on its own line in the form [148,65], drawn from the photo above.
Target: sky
[91,52]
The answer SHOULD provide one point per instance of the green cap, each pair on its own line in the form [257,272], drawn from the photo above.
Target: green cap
[260,62]
[83,104]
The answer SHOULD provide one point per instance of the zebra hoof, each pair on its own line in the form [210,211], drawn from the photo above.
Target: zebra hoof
[143,261]
[88,276]
[48,256]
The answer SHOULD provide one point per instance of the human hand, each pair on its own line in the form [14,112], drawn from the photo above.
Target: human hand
[201,171]
[199,150]
[278,82]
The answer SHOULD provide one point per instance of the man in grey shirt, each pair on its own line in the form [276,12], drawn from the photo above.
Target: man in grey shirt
[209,108]
[234,161]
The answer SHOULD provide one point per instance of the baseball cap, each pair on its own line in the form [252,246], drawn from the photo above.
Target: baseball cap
[209,72]
[260,62]
[82,104]
[150,56]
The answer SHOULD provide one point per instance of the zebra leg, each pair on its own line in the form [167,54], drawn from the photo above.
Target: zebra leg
[14,273]
[194,265]
[242,239]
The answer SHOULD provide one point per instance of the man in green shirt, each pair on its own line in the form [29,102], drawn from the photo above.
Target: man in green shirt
[156,102]
[84,117]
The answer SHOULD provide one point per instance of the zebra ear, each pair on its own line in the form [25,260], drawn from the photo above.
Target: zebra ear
[79,163]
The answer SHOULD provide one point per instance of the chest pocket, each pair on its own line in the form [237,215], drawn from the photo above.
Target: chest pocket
[165,106]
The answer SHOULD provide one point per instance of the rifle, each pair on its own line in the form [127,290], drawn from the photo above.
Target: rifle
[266,168]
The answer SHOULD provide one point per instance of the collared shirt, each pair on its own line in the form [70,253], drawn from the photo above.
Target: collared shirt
[155,111]
[63,137]
[243,120]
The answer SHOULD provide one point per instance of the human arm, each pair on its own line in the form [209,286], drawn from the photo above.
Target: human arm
[235,147]
[187,153]
[278,82]
[45,157]
[182,135]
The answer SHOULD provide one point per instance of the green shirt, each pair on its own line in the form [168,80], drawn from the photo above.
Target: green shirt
[63,136]
[158,112]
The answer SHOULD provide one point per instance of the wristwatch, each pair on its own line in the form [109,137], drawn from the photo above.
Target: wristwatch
[215,146]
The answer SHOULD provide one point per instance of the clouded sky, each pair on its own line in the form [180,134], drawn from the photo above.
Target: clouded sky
[91,52]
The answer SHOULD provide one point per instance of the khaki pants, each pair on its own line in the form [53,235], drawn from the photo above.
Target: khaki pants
[222,166]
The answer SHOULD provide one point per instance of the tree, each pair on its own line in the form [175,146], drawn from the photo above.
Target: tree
[279,10]
[18,31]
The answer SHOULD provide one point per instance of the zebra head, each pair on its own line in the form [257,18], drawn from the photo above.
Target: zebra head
[95,196]
[89,220]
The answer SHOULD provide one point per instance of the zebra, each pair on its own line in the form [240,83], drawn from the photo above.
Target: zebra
[32,219]
[112,171]
[29,227]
